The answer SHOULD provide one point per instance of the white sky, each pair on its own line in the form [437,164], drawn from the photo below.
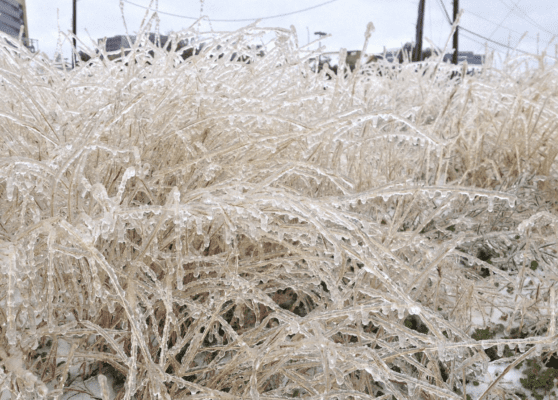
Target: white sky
[503,21]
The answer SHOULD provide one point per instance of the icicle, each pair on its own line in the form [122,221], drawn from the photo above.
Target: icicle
[199,226]
[332,358]
[365,317]
[538,349]
[460,352]
[507,241]
[10,187]
[254,394]
[415,310]
[402,341]
[129,173]
[180,277]
[338,377]
[485,365]
[500,349]
[120,233]
[374,371]
[155,389]
[12,333]
[313,237]
[239,313]
[337,256]
[411,387]
[294,327]
[252,230]
[441,349]
[263,222]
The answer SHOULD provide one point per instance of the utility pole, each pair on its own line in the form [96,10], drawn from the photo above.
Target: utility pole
[320,34]
[74,30]
[456,34]
[417,53]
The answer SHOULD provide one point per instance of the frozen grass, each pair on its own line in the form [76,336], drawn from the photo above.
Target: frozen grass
[217,229]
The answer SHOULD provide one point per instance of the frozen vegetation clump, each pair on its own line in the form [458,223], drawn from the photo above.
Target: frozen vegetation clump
[235,224]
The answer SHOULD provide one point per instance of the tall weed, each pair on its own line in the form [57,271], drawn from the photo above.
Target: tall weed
[235,225]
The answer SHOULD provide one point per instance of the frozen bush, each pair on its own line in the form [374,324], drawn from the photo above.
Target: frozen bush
[234,224]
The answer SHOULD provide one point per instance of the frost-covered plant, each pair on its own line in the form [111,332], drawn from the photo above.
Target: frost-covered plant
[233,224]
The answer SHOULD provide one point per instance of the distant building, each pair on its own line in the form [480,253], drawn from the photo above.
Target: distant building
[120,42]
[354,55]
[13,15]
[395,56]
[117,42]
[331,58]
[61,63]
[406,51]
[115,45]
[472,59]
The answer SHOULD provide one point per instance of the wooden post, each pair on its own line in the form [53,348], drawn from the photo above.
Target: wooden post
[417,53]
[455,59]
[74,30]
[26,29]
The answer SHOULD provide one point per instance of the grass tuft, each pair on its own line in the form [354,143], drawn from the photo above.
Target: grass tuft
[234,223]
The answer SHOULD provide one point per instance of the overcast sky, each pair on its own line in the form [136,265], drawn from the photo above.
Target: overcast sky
[503,21]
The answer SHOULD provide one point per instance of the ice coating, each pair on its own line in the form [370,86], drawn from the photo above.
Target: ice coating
[229,220]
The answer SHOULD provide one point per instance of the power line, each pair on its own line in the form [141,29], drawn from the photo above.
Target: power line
[479,42]
[483,18]
[524,16]
[512,9]
[480,36]
[445,11]
[494,41]
[235,20]
[430,19]
[494,23]
[499,25]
